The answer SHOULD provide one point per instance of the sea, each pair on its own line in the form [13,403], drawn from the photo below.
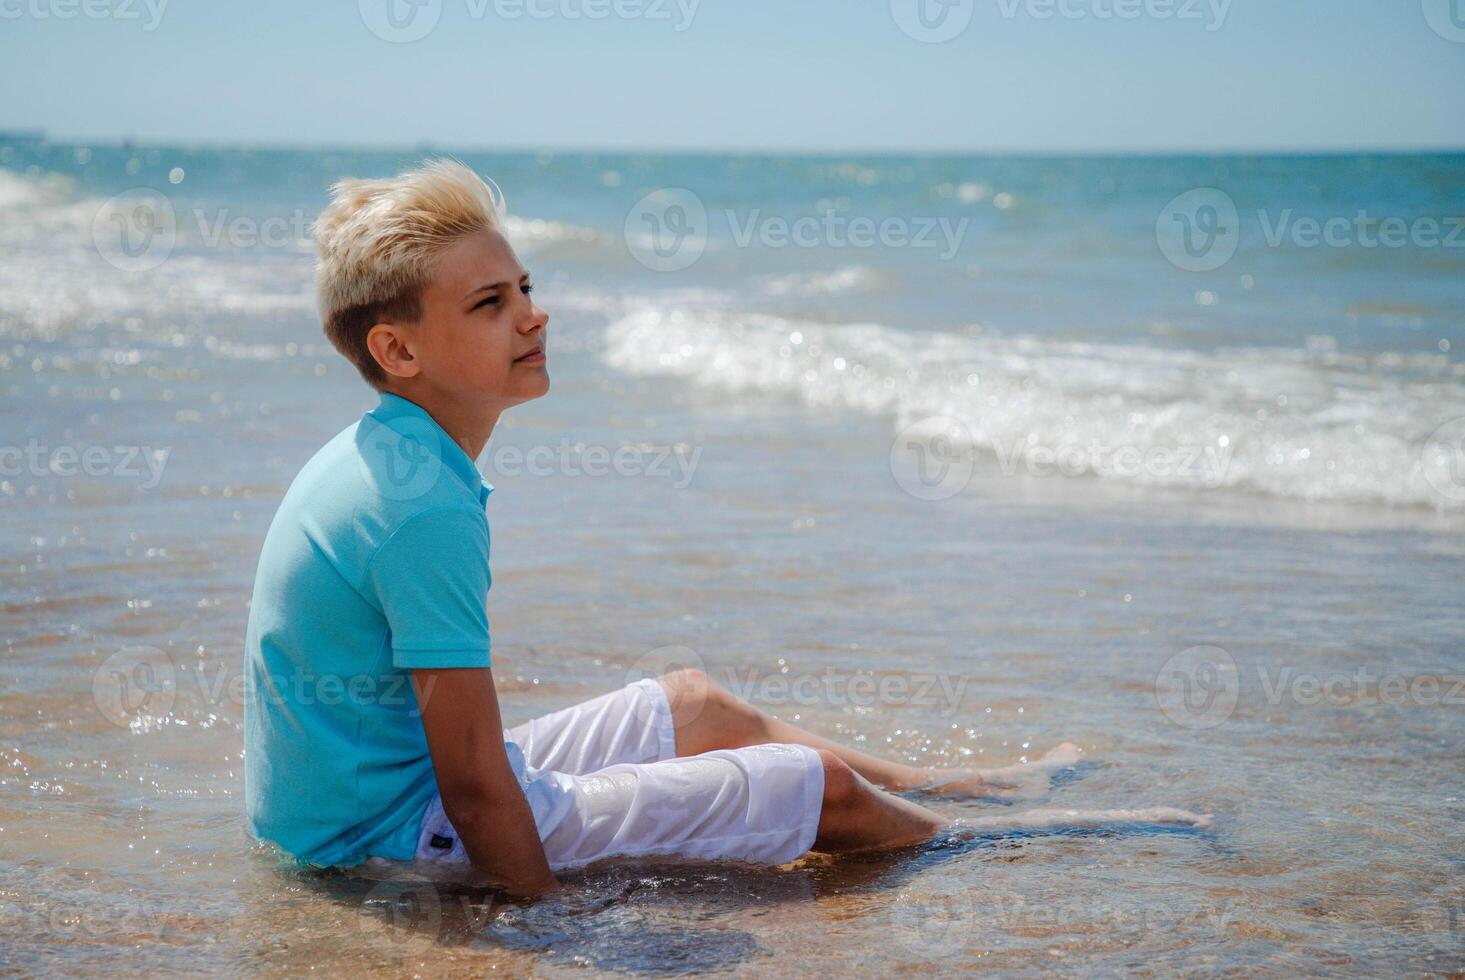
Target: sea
[951,458]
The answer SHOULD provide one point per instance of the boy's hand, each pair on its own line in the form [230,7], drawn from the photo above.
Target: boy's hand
[481,795]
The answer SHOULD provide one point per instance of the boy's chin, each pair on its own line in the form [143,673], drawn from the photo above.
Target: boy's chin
[531,390]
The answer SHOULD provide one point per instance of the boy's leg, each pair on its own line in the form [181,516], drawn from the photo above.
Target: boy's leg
[857,816]
[767,804]
[707,716]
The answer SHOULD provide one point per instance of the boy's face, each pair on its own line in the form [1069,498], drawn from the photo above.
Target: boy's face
[481,338]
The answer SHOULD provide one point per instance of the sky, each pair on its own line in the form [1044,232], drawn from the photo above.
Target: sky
[743,75]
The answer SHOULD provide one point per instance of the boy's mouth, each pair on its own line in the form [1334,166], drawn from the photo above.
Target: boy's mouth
[534,356]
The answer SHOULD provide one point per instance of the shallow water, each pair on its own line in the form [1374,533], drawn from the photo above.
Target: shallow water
[764,531]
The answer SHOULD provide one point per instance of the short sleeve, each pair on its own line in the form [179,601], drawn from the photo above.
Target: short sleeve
[431,580]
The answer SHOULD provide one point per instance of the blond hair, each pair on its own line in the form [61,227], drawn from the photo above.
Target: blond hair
[376,243]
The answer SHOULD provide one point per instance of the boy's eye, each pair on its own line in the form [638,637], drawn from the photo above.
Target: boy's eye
[527,288]
[486,301]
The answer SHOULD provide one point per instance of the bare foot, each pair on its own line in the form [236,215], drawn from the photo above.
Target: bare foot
[1020,782]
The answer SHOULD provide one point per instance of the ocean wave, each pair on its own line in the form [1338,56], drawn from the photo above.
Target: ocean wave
[534,234]
[1313,424]
[66,257]
[849,279]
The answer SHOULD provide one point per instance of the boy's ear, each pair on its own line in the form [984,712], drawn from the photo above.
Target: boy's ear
[391,345]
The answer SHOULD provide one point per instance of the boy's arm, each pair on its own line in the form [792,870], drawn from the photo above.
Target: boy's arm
[431,578]
[481,795]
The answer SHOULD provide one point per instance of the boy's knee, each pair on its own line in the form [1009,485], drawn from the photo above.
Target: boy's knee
[692,695]
[689,681]
[688,692]
[842,785]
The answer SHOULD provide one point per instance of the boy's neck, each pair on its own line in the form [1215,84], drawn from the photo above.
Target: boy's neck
[469,424]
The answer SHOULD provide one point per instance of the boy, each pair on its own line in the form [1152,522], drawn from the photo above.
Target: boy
[372,725]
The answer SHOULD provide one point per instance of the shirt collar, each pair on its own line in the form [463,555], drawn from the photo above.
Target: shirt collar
[395,407]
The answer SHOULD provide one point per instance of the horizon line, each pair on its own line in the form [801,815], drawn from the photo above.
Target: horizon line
[39,134]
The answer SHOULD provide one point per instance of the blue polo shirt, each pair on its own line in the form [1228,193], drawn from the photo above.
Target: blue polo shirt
[375,563]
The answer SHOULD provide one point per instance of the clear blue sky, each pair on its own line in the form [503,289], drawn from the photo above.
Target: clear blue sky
[745,74]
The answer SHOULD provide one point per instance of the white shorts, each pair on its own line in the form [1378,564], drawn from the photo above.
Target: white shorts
[603,780]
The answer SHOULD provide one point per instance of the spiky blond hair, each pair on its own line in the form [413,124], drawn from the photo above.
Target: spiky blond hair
[376,243]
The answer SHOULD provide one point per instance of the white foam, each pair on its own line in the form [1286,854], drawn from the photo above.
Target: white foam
[532,234]
[850,278]
[1316,425]
[54,272]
